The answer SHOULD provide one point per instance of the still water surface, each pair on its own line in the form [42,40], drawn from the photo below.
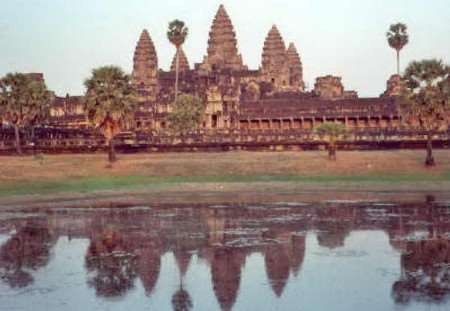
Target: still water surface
[277,256]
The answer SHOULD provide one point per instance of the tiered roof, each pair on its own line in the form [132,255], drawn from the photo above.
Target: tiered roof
[183,62]
[295,67]
[145,60]
[274,55]
[222,44]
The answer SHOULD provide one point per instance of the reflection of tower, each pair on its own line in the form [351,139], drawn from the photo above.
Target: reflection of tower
[277,267]
[183,259]
[148,262]
[181,300]
[216,226]
[335,224]
[283,257]
[296,252]
[226,268]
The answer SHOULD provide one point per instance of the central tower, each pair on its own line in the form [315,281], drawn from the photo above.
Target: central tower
[222,45]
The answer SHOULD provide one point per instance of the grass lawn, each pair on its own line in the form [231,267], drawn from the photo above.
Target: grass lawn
[50,174]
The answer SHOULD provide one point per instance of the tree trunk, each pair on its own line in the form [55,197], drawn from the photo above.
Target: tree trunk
[17,134]
[430,159]
[177,69]
[33,139]
[332,151]
[398,62]
[112,152]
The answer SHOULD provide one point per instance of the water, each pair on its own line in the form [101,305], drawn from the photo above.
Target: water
[281,256]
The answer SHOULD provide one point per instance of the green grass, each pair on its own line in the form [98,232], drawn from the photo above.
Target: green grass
[114,183]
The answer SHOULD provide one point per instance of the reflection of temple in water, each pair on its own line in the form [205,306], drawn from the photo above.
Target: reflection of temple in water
[126,246]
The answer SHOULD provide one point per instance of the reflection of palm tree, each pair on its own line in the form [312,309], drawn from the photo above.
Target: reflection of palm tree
[112,263]
[28,249]
[425,272]
[181,301]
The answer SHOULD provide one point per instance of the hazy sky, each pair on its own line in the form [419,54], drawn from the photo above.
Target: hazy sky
[65,39]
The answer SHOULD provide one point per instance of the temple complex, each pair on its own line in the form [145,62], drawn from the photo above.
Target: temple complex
[268,105]
[272,97]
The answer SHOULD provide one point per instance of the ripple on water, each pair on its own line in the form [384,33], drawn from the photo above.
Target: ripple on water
[342,253]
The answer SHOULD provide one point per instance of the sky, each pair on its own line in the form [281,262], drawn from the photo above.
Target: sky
[66,39]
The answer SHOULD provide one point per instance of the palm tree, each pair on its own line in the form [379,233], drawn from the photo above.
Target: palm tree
[111,101]
[425,99]
[23,102]
[397,37]
[177,34]
[331,132]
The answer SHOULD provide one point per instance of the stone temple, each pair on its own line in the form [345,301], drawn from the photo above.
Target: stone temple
[263,105]
[270,97]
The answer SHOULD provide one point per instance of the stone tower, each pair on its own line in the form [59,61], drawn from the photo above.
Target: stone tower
[222,45]
[329,87]
[183,62]
[393,86]
[295,69]
[145,69]
[275,68]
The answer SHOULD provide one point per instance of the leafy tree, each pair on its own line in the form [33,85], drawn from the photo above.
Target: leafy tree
[24,102]
[177,34]
[397,37]
[187,113]
[425,99]
[331,132]
[111,101]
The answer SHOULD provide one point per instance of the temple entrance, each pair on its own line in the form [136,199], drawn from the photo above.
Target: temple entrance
[214,121]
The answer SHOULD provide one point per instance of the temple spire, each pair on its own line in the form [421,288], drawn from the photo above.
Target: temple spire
[222,44]
[274,59]
[145,68]
[295,68]
[183,64]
